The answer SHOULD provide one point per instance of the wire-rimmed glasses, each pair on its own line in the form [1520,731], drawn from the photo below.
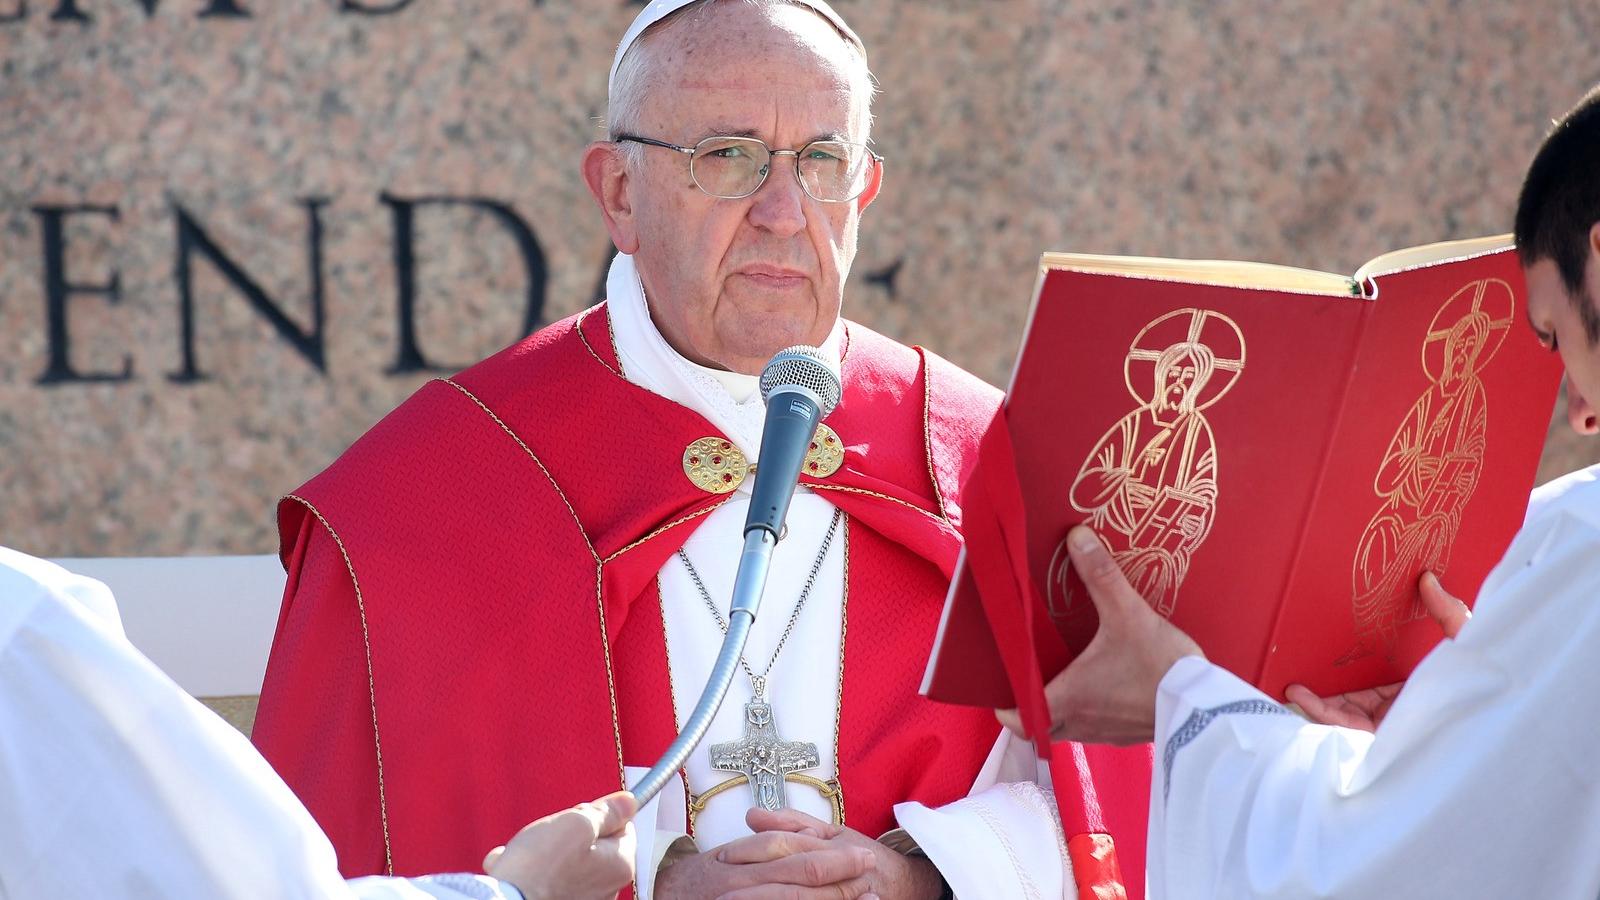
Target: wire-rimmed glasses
[732,168]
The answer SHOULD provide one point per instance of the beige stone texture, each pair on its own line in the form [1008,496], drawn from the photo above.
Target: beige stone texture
[1307,133]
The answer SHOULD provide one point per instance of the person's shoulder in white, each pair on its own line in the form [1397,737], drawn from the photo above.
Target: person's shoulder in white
[117,783]
[1577,493]
[28,581]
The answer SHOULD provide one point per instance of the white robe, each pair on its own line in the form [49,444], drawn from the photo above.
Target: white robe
[116,783]
[1001,842]
[1480,782]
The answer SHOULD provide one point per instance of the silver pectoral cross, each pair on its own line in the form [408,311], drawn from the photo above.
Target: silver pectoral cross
[762,757]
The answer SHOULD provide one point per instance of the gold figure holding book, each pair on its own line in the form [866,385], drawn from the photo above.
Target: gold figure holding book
[1149,487]
[1431,467]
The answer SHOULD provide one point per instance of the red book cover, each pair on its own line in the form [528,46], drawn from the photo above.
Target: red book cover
[1273,455]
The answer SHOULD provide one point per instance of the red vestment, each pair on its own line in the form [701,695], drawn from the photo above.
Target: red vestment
[471,634]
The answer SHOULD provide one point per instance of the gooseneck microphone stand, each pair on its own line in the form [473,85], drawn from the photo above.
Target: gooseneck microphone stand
[800,390]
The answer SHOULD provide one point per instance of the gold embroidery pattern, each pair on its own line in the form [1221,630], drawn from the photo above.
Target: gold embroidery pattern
[1149,486]
[838,707]
[927,432]
[590,347]
[611,678]
[672,689]
[866,493]
[1431,468]
[372,688]
[599,581]
[664,529]
[531,455]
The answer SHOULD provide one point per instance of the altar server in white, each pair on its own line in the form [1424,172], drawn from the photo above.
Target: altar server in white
[1480,780]
[116,783]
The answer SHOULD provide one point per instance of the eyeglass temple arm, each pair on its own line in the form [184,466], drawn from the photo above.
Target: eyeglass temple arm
[652,142]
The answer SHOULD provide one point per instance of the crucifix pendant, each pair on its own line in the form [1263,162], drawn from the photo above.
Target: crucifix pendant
[762,757]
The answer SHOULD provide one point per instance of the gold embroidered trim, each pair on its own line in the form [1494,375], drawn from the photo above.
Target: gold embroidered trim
[666,528]
[583,317]
[372,689]
[611,678]
[536,461]
[599,580]
[927,432]
[838,705]
[820,486]
[611,334]
[672,693]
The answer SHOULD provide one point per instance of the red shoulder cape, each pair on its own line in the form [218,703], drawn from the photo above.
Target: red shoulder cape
[471,638]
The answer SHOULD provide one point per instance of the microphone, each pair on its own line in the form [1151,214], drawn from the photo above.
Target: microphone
[800,390]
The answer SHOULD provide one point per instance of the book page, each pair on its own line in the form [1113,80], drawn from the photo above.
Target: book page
[1222,272]
[1431,254]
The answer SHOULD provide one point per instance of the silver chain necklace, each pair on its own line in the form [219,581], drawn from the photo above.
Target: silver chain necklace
[761,756]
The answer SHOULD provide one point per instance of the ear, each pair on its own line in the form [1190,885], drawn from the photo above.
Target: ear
[1594,240]
[873,186]
[608,181]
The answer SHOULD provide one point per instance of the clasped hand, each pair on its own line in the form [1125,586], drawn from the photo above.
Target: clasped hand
[793,856]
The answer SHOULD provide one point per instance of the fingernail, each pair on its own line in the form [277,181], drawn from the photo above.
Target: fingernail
[810,832]
[1083,538]
[868,858]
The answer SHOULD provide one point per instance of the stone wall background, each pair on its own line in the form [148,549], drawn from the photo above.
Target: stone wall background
[1298,132]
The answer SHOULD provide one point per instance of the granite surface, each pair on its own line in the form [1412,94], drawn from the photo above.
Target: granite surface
[228,152]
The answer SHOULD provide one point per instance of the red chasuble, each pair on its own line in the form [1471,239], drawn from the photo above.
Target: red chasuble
[471,633]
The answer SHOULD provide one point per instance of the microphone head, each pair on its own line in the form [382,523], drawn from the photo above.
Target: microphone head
[803,367]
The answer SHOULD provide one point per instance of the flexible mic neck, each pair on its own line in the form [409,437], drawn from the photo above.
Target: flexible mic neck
[800,389]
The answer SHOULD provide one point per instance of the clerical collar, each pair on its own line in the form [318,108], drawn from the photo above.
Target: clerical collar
[729,400]
[740,387]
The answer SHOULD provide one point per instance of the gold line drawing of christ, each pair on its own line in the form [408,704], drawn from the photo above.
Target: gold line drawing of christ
[1431,468]
[1149,486]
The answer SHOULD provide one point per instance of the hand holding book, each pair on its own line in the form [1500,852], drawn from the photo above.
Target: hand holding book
[1365,709]
[1105,695]
[1272,457]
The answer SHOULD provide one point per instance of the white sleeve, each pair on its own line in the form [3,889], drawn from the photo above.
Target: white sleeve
[116,783]
[1004,839]
[1479,782]
[460,886]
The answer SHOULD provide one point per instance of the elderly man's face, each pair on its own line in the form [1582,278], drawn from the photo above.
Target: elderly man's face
[730,282]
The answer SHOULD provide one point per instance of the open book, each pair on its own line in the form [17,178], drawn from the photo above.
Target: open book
[1273,455]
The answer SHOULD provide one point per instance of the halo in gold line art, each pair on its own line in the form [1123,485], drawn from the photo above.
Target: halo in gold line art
[1205,326]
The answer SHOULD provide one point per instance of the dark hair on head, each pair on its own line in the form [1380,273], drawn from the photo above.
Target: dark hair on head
[1560,199]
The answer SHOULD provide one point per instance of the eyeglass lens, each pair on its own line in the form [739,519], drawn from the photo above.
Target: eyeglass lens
[731,167]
